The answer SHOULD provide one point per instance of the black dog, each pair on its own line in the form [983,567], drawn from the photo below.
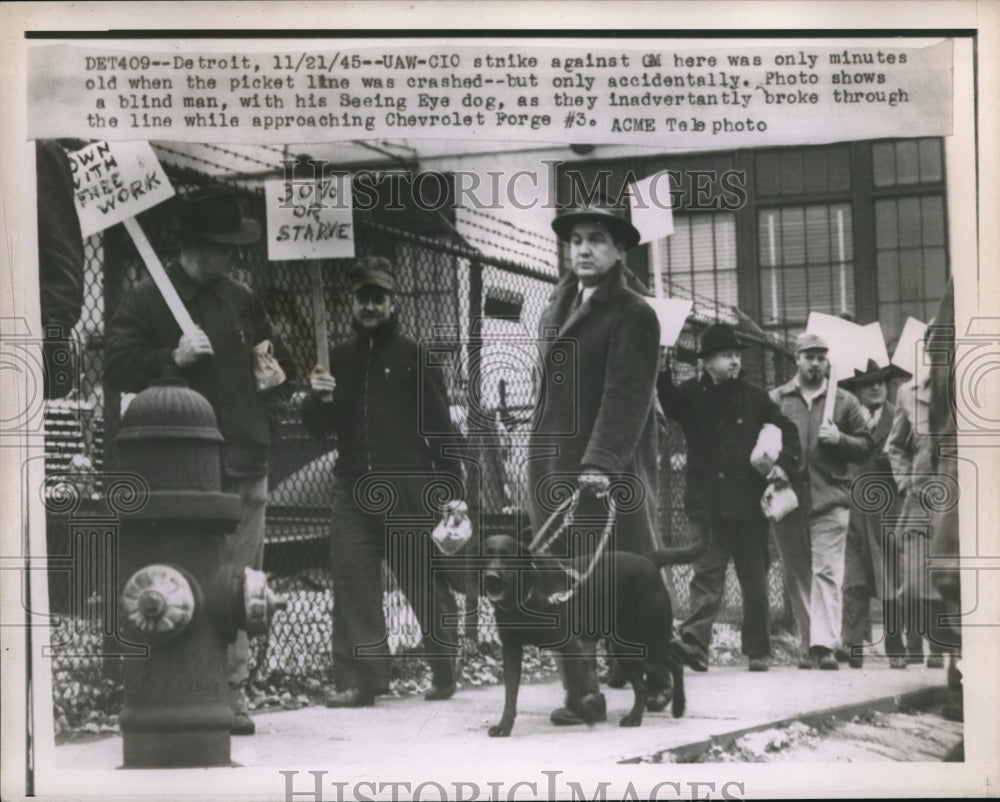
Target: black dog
[621,598]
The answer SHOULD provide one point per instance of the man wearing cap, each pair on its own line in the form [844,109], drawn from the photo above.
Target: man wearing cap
[594,422]
[145,343]
[868,554]
[722,415]
[390,413]
[811,539]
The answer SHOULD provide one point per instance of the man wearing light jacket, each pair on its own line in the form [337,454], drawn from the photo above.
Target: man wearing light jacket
[812,538]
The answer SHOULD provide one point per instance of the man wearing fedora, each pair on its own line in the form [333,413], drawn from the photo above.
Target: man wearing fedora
[722,415]
[870,559]
[594,422]
[145,343]
[389,409]
[811,539]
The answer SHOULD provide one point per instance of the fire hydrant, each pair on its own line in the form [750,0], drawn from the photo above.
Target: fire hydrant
[175,594]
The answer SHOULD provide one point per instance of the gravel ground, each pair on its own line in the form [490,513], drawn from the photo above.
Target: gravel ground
[923,736]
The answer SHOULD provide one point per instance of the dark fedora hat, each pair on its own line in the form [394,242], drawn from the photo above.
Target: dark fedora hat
[599,210]
[719,337]
[873,373]
[214,214]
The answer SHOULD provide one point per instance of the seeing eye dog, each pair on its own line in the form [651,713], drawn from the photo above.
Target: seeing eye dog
[539,600]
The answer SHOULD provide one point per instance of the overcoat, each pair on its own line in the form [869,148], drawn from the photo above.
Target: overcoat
[721,424]
[864,564]
[595,404]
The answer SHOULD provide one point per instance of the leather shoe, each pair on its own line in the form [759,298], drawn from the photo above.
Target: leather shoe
[595,704]
[352,697]
[690,653]
[758,664]
[824,658]
[806,662]
[438,693]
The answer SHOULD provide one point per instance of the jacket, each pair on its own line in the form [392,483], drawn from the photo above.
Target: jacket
[389,411]
[825,481]
[721,424]
[143,334]
[595,404]
[910,447]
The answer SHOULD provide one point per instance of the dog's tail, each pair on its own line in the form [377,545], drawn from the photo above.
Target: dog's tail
[682,554]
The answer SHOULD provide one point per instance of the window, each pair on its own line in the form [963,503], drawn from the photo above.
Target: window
[911,259]
[699,257]
[806,262]
[907,161]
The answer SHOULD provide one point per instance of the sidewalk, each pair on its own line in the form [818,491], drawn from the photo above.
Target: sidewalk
[416,732]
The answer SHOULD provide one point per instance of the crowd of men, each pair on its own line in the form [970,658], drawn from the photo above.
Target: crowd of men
[605,388]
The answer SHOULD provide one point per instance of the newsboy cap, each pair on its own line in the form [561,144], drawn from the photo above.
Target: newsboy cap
[719,337]
[374,271]
[599,210]
[213,213]
[808,341]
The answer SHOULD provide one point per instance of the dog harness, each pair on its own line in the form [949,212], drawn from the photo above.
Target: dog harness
[541,542]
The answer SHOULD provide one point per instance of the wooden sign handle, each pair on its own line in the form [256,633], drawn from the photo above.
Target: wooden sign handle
[159,276]
[319,315]
[831,395]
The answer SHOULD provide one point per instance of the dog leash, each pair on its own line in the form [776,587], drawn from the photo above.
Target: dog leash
[566,510]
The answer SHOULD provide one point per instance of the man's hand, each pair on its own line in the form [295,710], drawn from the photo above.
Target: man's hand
[322,382]
[777,476]
[192,347]
[593,480]
[829,433]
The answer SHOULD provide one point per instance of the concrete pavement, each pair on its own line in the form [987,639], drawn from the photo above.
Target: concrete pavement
[416,732]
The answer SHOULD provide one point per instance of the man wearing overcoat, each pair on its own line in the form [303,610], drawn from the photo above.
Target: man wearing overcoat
[870,559]
[594,421]
[722,415]
[144,343]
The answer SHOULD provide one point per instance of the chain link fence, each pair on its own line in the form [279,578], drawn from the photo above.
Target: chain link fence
[447,289]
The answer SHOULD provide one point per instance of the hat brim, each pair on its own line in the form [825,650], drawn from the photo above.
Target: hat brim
[886,374]
[248,233]
[726,347]
[621,230]
[372,282]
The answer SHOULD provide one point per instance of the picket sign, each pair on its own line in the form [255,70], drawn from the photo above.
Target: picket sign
[112,183]
[310,219]
[652,215]
[910,349]
[851,346]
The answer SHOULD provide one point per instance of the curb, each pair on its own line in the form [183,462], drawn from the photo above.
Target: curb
[921,698]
